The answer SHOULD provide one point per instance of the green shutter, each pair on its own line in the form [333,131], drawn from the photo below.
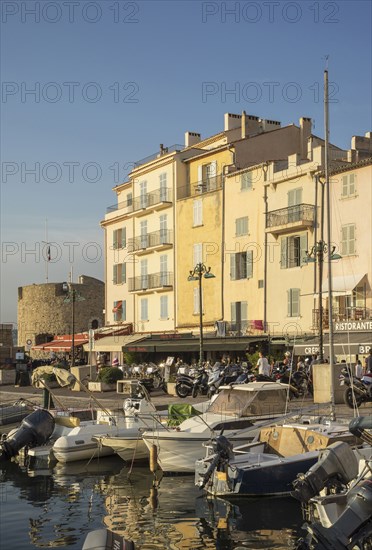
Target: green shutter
[232,267]
[233,312]
[115,274]
[283,252]
[244,311]
[249,264]
[123,237]
[115,239]
[123,273]
[303,249]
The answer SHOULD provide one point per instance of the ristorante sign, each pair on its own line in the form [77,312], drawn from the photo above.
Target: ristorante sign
[353,326]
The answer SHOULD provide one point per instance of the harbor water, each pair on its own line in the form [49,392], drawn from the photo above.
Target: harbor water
[57,507]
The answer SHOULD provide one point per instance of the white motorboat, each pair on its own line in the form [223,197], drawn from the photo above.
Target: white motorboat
[83,441]
[268,466]
[236,410]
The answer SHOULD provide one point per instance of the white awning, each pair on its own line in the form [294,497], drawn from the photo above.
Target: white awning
[114,343]
[343,285]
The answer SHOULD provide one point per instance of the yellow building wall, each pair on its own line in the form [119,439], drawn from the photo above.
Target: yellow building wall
[210,235]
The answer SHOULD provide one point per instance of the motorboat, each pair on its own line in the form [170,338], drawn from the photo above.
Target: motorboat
[236,410]
[269,465]
[84,441]
[14,412]
[130,445]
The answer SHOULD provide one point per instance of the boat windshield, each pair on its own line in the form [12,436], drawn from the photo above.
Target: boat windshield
[248,403]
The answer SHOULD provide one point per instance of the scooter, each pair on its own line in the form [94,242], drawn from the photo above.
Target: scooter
[358,391]
[200,383]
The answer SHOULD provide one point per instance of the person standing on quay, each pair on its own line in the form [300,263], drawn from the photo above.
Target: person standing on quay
[263,365]
[369,362]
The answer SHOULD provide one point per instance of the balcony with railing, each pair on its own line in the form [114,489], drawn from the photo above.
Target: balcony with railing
[163,151]
[157,240]
[155,200]
[342,315]
[151,282]
[206,185]
[292,218]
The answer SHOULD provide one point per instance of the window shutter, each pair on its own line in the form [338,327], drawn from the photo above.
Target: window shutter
[115,239]
[283,252]
[123,237]
[351,239]
[197,253]
[344,247]
[249,264]
[200,173]
[163,307]
[213,169]
[196,301]
[124,310]
[233,267]
[352,179]
[303,249]
[244,311]
[246,181]
[233,312]
[123,273]
[344,186]
[115,274]
[289,303]
[295,302]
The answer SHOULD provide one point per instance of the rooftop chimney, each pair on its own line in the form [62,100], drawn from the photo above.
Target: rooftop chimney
[231,121]
[191,138]
[243,135]
[305,133]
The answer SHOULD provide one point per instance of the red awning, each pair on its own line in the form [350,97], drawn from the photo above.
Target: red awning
[63,343]
[118,306]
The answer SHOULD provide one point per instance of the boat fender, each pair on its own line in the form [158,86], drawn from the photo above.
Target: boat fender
[153,459]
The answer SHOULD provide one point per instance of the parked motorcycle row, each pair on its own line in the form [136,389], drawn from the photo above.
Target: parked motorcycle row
[206,380]
[150,375]
[357,390]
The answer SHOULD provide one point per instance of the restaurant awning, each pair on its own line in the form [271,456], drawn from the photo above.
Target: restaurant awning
[62,343]
[192,344]
[343,285]
[115,343]
[344,344]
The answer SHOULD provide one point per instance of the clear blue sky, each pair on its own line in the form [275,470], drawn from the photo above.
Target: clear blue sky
[114,79]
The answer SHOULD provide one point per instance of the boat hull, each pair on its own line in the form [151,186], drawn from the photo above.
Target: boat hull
[128,448]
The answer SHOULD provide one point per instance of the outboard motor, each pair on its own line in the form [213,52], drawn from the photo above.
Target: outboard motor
[337,460]
[223,451]
[104,539]
[34,430]
[354,526]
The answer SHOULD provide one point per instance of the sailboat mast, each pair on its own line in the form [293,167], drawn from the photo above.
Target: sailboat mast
[329,238]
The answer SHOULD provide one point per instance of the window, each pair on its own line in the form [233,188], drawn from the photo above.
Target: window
[163,186]
[144,275]
[129,199]
[347,240]
[119,274]
[163,307]
[163,229]
[239,316]
[198,212]
[293,251]
[119,238]
[241,226]
[241,265]
[120,310]
[197,253]
[207,177]
[163,270]
[348,185]
[143,194]
[144,235]
[294,202]
[293,302]
[144,309]
[246,181]
[359,296]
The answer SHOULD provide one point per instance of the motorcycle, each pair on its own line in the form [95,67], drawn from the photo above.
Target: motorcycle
[221,376]
[300,382]
[154,374]
[184,385]
[358,390]
[200,383]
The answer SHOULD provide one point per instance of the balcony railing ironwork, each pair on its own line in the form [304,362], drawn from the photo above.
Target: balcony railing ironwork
[171,149]
[151,281]
[342,314]
[291,214]
[147,200]
[156,238]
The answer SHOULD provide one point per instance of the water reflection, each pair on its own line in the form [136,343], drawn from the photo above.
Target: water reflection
[63,504]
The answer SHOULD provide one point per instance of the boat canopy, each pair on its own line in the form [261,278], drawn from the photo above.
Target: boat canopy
[255,398]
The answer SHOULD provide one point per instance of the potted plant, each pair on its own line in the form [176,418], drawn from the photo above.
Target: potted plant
[106,379]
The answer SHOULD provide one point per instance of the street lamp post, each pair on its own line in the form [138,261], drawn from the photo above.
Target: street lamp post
[197,274]
[316,254]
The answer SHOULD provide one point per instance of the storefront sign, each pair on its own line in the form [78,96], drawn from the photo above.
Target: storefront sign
[346,326]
